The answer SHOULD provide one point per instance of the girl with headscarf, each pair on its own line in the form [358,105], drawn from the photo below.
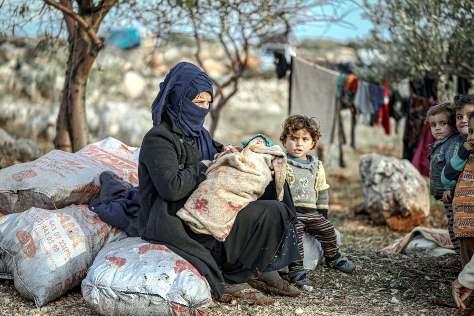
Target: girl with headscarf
[170,169]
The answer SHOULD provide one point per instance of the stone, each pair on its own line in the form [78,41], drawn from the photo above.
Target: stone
[394,300]
[5,138]
[134,84]
[26,150]
[395,193]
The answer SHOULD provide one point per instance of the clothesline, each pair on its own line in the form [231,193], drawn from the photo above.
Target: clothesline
[333,72]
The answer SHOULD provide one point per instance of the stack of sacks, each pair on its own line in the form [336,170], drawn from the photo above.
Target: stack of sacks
[48,243]
[59,179]
[47,252]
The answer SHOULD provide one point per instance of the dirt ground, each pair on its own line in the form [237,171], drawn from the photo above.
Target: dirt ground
[398,285]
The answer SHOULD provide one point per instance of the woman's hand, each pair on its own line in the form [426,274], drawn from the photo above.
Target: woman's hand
[447,196]
[207,163]
[228,149]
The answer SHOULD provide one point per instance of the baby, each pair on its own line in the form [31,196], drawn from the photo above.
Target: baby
[234,179]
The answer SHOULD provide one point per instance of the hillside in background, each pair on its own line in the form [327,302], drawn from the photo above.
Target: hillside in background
[123,83]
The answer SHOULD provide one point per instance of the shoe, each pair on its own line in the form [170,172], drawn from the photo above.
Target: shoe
[243,292]
[341,263]
[300,279]
[276,287]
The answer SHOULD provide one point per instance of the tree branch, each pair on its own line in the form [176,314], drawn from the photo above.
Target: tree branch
[197,39]
[70,24]
[224,99]
[103,9]
[82,23]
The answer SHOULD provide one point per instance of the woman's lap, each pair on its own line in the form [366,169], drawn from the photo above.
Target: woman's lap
[254,240]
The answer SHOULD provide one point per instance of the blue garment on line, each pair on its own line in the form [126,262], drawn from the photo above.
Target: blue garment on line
[376,96]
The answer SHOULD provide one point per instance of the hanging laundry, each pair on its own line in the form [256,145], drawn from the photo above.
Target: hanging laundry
[420,158]
[313,93]
[351,83]
[425,87]
[362,98]
[340,85]
[347,92]
[376,96]
[413,125]
[384,111]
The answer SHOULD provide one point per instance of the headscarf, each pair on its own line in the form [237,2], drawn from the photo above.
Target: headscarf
[181,85]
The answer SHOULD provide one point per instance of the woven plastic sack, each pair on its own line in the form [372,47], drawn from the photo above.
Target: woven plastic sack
[313,252]
[134,277]
[59,178]
[48,252]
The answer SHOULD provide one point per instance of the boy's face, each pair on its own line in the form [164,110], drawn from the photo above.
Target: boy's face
[439,126]
[462,118]
[470,134]
[299,144]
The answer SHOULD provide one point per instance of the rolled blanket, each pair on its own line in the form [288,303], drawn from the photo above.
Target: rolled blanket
[233,180]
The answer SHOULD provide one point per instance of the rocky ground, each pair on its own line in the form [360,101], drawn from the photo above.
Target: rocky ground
[398,285]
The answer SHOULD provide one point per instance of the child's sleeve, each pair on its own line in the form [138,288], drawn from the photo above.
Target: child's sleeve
[322,190]
[454,167]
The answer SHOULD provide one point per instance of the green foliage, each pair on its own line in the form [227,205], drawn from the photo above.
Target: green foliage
[414,38]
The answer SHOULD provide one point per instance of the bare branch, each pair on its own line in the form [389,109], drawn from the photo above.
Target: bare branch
[70,24]
[103,8]
[197,39]
[224,99]
[82,23]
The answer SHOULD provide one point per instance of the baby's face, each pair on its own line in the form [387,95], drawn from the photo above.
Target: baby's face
[258,140]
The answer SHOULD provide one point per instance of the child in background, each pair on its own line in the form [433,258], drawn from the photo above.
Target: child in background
[441,120]
[307,181]
[463,201]
[463,105]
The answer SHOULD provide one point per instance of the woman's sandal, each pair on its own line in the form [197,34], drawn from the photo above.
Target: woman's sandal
[277,287]
[243,292]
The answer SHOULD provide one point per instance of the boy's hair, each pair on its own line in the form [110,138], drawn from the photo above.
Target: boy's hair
[294,123]
[442,108]
[461,100]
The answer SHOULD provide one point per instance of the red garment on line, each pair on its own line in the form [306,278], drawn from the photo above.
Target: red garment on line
[384,111]
[351,83]
[420,158]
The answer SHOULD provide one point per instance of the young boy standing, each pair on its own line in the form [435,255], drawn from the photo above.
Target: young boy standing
[307,181]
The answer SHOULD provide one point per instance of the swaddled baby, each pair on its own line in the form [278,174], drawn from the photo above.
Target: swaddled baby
[234,179]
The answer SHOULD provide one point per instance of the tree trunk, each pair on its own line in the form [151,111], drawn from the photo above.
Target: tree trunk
[71,126]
